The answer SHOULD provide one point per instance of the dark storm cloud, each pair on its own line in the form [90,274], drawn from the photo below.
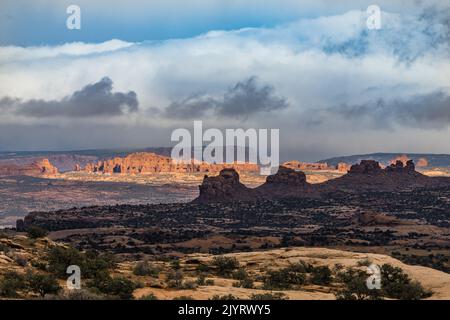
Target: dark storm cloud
[92,100]
[244,99]
[422,111]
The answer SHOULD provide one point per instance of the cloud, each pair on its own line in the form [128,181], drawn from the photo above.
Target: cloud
[92,100]
[244,99]
[427,111]
[314,64]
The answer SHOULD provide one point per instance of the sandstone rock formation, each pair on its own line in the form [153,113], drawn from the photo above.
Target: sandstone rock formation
[421,162]
[223,187]
[226,187]
[146,162]
[297,165]
[366,176]
[37,168]
[343,167]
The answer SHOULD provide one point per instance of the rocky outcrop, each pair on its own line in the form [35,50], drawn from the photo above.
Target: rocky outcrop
[297,165]
[343,167]
[223,187]
[366,176]
[146,162]
[37,168]
[366,167]
[421,162]
[226,187]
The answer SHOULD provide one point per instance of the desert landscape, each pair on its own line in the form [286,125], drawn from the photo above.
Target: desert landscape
[170,231]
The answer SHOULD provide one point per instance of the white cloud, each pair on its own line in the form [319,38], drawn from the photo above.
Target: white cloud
[313,63]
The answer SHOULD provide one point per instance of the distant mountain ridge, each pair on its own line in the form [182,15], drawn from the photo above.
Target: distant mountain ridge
[434,160]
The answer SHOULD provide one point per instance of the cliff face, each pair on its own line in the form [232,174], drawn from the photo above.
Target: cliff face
[146,162]
[37,168]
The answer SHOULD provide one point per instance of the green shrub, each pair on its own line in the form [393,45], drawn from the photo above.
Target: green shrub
[119,287]
[224,297]
[143,268]
[150,296]
[35,232]
[90,263]
[283,279]
[268,296]
[397,284]
[321,275]
[355,286]
[209,282]
[225,265]
[175,279]
[42,283]
[10,284]
[201,280]
[183,298]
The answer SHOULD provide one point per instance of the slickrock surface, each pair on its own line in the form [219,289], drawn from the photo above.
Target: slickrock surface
[434,280]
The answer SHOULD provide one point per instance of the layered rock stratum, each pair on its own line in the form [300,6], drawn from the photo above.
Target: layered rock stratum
[147,162]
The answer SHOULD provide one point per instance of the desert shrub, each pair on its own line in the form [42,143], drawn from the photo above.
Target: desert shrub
[175,264]
[81,294]
[95,263]
[321,275]
[300,267]
[201,280]
[35,232]
[20,260]
[60,258]
[175,279]
[364,263]
[209,282]
[119,287]
[203,268]
[4,248]
[397,284]
[150,296]
[39,265]
[143,268]
[355,286]
[11,283]
[189,285]
[224,297]
[268,296]
[183,298]
[245,281]
[90,263]
[283,279]
[225,265]
[42,283]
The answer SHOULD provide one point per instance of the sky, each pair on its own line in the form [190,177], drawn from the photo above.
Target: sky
[137,70]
